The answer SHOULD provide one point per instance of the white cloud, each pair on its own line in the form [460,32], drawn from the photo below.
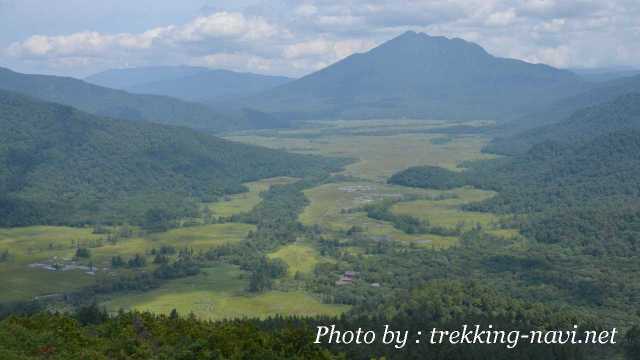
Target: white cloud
[294,37]
[502,18]
[306,10]
[222,26]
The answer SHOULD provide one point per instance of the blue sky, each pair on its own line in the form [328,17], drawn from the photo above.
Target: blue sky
[80,37]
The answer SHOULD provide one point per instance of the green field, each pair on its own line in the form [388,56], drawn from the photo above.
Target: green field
[244,202]
[328,202]
[448,212]
[40,242]
[218,293]
[51,244]
[379,156]
[382,147]
[29,245]
[299,257]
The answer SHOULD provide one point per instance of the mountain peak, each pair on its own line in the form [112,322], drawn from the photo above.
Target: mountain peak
[432,49]
[422,76]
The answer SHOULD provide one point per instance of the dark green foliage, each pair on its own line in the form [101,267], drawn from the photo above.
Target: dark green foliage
[91,314]
[612,229]
[179,269]
[445,305]
[431,177]
[117,262]
[4,256]
[83,253]
[584,125]
[62,166]
[158,220]
[137,261]
[553,175]
[116,103]
[560,111]
[164,250]
[632,343]
[146,336]
[160,259]
[406,223]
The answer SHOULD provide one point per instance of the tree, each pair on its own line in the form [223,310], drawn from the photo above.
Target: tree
[117,262]
[137,262]
[83,253]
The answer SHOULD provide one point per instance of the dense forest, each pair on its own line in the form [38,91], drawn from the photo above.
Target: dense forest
[63,166]
[432,177]
[584,124]
[91,333]
[561,109]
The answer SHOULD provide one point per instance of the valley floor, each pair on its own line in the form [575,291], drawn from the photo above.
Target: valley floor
[380,148]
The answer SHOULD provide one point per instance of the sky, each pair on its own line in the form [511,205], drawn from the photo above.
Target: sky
[293,38]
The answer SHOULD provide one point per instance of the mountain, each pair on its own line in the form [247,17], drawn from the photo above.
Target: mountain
[578,174]
[59,165]
[605,74]
[187,83]
[416,75]
[590,159]
[623,113]
[120,104]
[123,79]
[563,108]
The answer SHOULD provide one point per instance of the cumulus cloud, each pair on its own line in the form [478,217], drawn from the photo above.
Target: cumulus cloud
[294,37]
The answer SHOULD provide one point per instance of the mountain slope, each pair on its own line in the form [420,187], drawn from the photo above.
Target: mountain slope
[123,79]
[116,103]
[563,108]
[61,165]
[550,175]
[623,113]
[416,75]
[187,83]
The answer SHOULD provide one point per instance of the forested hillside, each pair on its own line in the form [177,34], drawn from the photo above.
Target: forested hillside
[438,304]
[583,125]
[579,185]
[513,138]
[63,166]
[122,105]
[553,175]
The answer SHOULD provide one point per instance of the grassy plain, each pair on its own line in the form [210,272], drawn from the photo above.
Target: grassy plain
[244,202]
[381,149]
[393,147]
[218,293]
[27,245]
[299,257]
[50,244]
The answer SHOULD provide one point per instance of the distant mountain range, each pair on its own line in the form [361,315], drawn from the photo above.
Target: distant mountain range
[186,82]
[420,76]
[120,104]
[59,165]
[606,74]
[562,108]
[411,76]
[614,104]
